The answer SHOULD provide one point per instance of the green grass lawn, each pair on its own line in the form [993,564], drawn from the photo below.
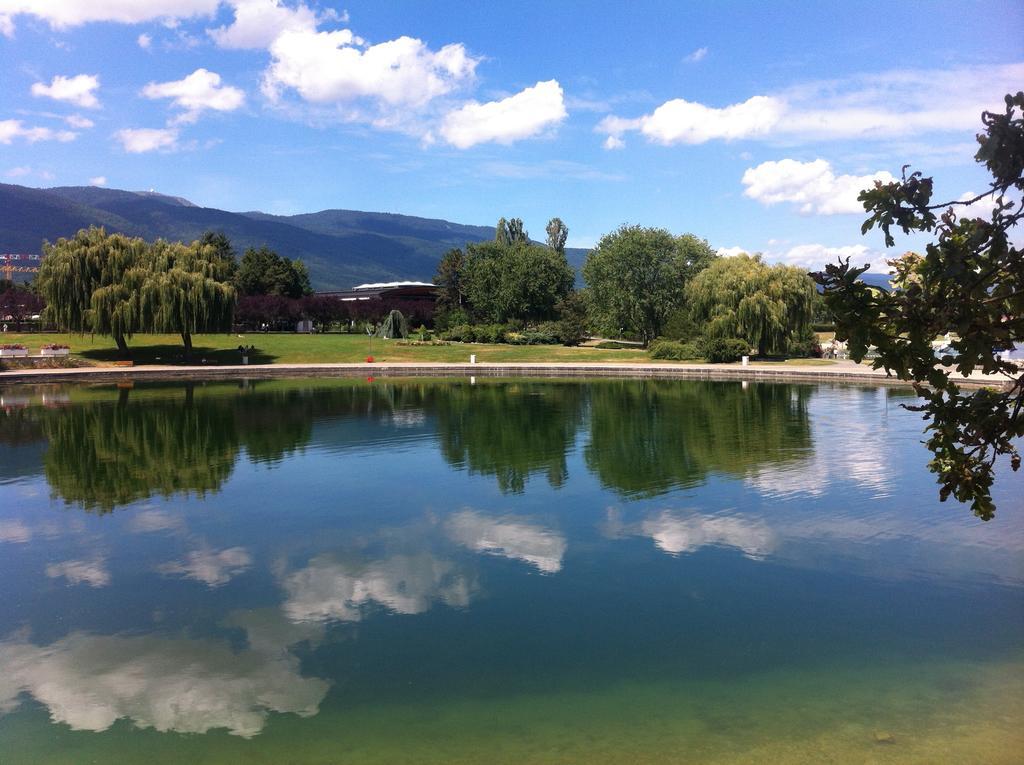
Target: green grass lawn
[310,349]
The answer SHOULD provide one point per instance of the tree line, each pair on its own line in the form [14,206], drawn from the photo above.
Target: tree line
[640,282]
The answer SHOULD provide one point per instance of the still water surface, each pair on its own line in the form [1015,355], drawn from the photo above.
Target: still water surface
[343,571]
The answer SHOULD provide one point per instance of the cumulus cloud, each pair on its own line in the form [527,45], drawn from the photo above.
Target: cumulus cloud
[812,187]
[142,140]
[144,41]
[211,567]
[510,538]
[98,180]
[682,121]
[12,129]
[333,67]
[91,572]
[60,14]
[328,589]
[523,115]
[88,682]
[258,23]
[195,93]
[697,55]
[79,90]
[882,105]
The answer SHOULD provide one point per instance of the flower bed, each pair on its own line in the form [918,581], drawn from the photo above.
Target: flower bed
[54,349]
[13,350]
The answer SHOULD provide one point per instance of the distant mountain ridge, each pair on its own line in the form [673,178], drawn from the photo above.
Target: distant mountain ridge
[341,248]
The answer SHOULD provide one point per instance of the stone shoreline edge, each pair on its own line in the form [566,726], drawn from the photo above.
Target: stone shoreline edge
[843,374]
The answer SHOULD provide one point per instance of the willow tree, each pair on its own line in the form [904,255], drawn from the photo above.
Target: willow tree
[91,283]
[744,297]
[187,290]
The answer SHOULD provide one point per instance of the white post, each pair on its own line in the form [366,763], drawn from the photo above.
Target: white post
[746,360]
[472,358]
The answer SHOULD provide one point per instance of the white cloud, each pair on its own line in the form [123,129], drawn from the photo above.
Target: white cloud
[510,538]
[526,114]
[144,41]
[613,142]
[983,208]
[18,172]
[78,90]
[258,23]
[697,55]
[88,682]
[78,121]
[99,180]
[11,129]
[730,252]
[682,121]
[211,567]
[331,67]
[815,256]
[200,90]
[812,186]
[881,105]
[327,589]
[141,140]
[91,572]
[60,14]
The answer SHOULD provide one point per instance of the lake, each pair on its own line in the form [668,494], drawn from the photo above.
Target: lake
[497,571]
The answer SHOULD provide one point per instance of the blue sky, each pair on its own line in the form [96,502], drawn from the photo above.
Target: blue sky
[750,124]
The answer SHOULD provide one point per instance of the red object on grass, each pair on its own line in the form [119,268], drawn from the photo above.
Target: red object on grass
[369,359]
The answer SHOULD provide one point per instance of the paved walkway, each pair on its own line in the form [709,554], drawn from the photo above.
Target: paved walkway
[838,372]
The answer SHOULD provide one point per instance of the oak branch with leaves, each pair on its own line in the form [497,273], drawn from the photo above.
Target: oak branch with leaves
[969,283]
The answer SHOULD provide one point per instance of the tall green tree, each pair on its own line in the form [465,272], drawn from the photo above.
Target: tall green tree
[520,281]
[186,291]
[742,296]
[969,282]
[263,272]
[510,231]
[91,283]
[557,233]
[636,276]
[448,278]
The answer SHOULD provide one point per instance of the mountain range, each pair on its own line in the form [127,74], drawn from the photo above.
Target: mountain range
[341,248]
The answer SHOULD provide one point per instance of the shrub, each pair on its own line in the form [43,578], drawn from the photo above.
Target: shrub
[460,333]
[489,333]
[615,345]
[722,350]
[675,351]
[806,346]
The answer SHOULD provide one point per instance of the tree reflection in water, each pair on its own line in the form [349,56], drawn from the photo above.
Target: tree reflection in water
[649,437]
[108,448]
